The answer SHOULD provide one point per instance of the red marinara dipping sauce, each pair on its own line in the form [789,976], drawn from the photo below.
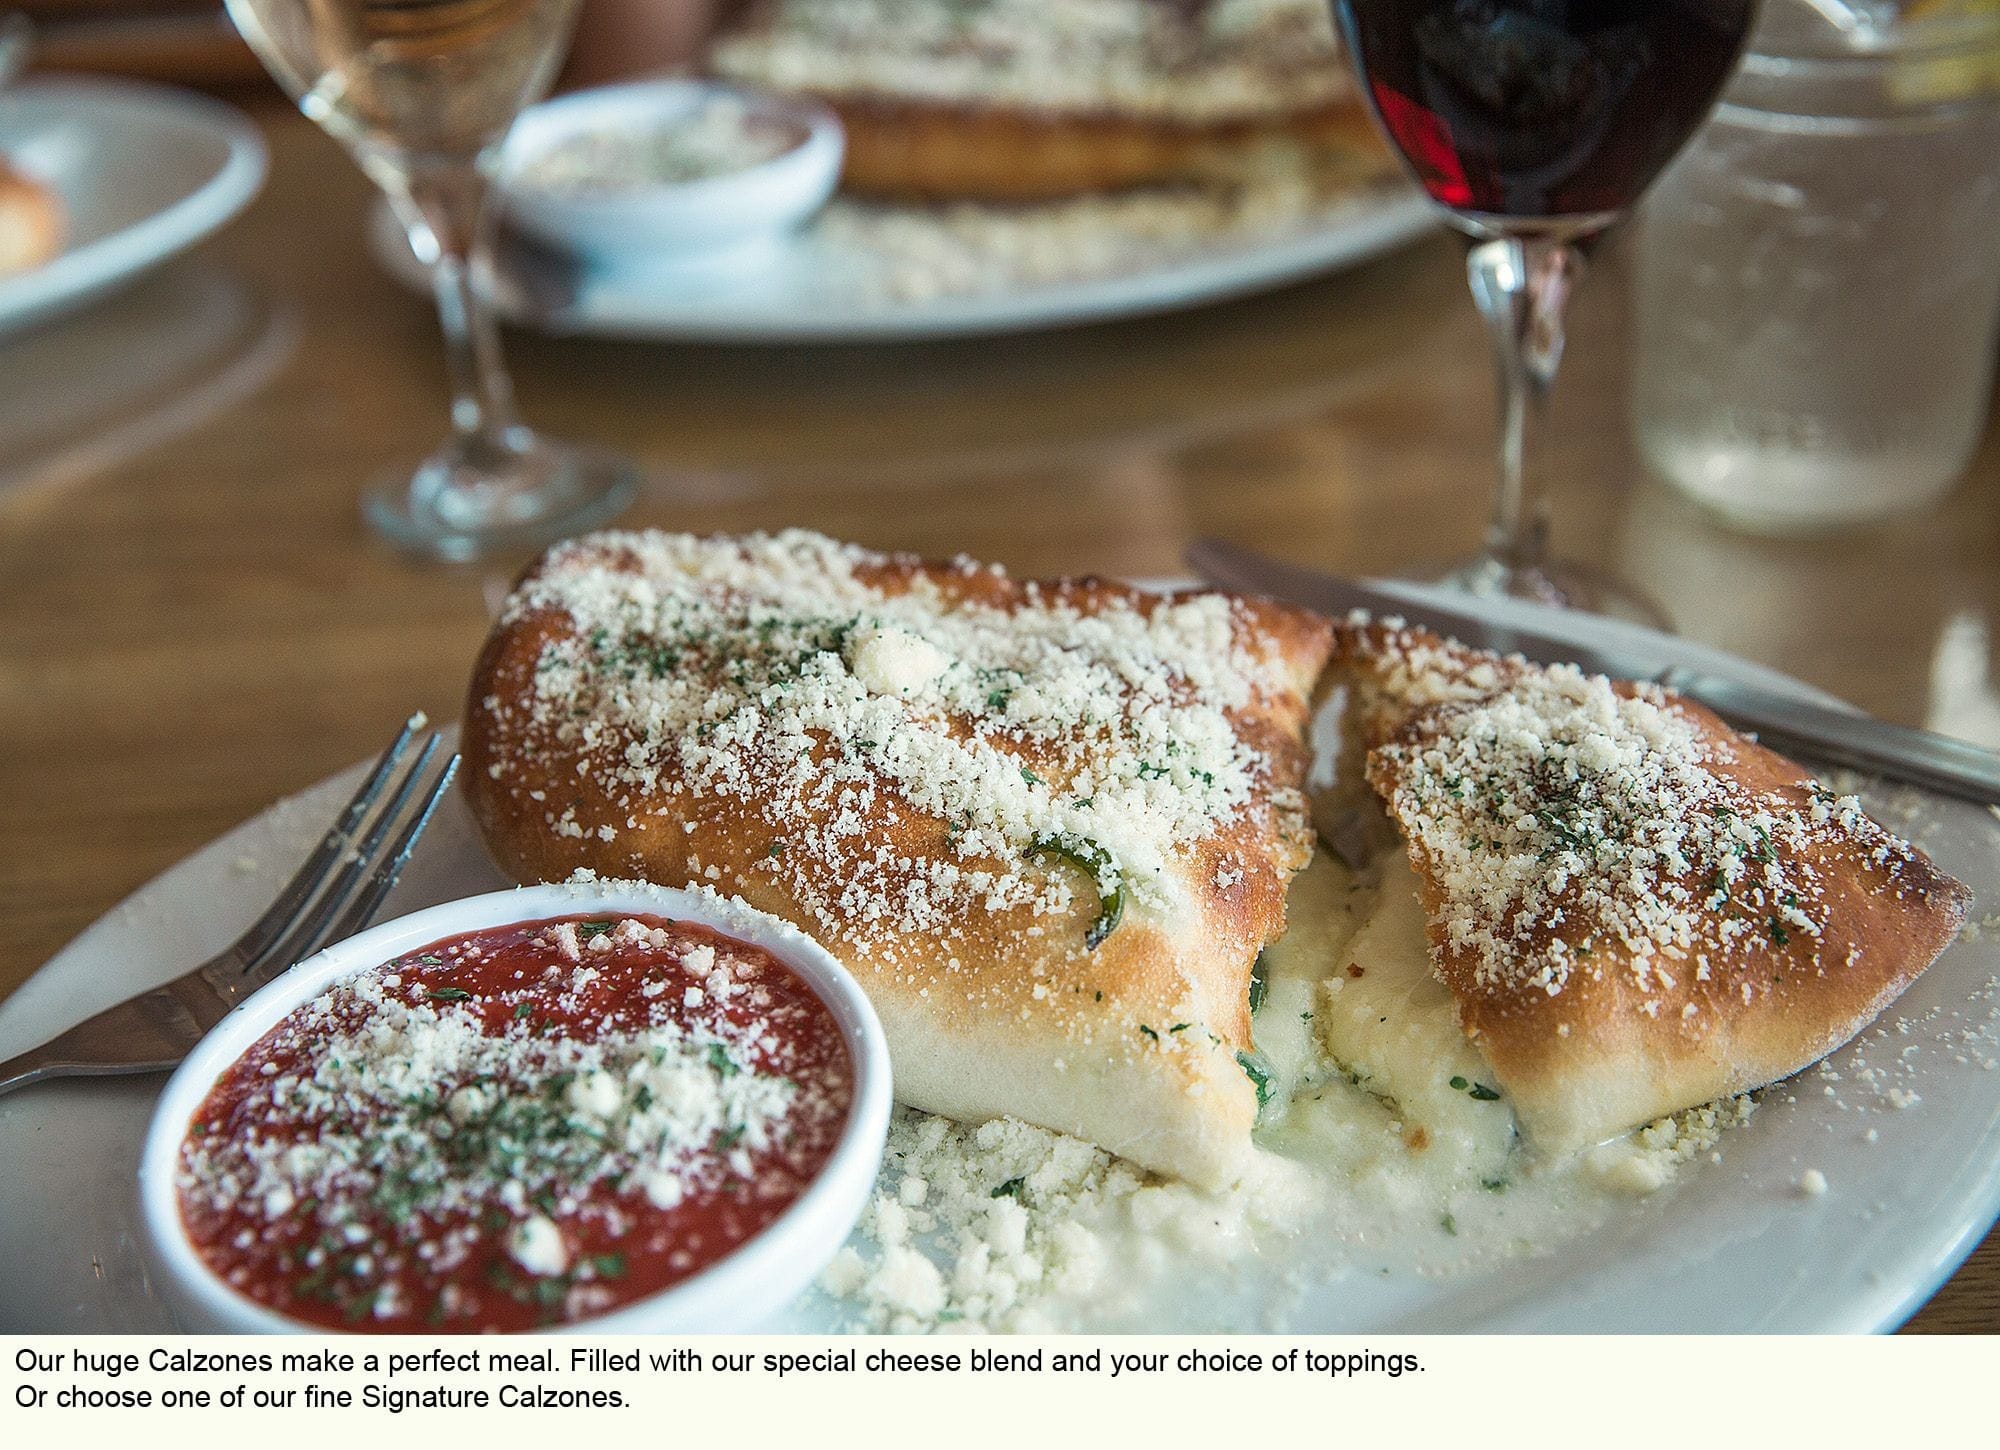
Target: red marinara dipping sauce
[514,1128]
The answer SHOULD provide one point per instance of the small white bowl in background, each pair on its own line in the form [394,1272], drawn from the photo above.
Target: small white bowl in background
[737,1292]
[639,217]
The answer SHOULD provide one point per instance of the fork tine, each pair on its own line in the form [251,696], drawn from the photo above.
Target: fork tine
[284,911]
[390,871]
[156,1029]
[299,942]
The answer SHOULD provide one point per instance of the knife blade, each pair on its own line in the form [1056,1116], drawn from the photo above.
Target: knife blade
[1781,721]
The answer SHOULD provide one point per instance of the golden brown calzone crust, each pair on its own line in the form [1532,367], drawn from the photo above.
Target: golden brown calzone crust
[921,151]
[946,775]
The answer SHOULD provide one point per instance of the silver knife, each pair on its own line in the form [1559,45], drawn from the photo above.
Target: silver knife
[1787,724]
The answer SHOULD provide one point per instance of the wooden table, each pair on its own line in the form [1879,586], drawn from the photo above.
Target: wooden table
[195,622]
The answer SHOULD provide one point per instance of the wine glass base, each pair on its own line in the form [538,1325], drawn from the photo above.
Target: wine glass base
[471,500]
[1559,586]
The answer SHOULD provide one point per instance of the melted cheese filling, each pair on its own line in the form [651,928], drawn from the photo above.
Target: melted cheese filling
[1366,1047]
[1381,1017]
[1376,1079]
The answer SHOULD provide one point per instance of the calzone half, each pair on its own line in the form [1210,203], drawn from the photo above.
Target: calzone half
[1049,826]
[1634,908]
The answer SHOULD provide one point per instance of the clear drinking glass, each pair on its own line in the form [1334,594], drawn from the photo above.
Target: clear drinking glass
[1536,123]
[421,92]
[1818,281]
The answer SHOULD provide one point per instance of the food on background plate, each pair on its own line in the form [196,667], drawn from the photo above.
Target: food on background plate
[1021,100]
[31,222]
[720,137]
[520,1126]
[1049,827]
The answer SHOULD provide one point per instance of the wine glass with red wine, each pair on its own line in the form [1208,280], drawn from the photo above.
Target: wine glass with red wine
[1537,123]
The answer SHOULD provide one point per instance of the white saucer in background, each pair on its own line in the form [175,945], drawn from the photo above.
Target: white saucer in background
[827,282]
[640,220]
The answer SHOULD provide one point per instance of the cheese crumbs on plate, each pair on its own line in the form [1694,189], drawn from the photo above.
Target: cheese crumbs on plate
[1004,1227]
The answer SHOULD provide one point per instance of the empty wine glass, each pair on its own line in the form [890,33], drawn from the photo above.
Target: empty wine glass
[1537,123]
[421,92]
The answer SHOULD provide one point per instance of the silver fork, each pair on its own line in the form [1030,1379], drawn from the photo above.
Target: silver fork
[334,894]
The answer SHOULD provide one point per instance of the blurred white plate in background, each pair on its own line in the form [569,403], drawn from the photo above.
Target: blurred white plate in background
[836,280]
[143,172]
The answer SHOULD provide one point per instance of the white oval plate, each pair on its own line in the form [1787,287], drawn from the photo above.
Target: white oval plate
[1727,1247]
[143,172]
[808,287]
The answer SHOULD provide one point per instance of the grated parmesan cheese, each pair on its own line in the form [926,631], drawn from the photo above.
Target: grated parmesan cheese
[1014,1226]
[399,1128]
[537,1246]
[1644,1161]
[1560,816]
[779,673]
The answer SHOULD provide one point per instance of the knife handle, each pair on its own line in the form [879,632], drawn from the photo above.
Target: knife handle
[1859,742]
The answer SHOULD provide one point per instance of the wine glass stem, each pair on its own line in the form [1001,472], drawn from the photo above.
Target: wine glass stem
[1521,284]
[449,218]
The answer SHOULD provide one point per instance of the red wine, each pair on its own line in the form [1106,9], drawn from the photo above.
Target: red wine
[1542,108]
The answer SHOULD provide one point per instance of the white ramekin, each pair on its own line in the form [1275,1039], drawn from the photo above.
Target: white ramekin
[738,1292]
[666,221]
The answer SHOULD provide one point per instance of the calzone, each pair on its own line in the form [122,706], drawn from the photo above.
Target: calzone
[1049,826]
[1635,909]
